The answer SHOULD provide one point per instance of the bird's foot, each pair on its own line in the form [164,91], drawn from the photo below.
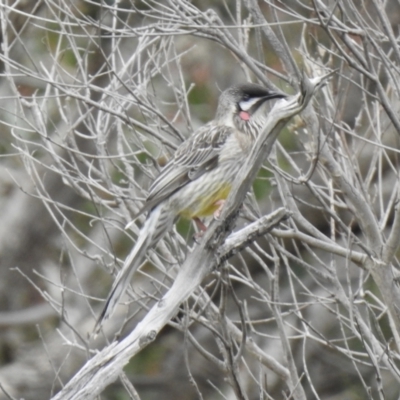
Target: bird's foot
[201,227]
[217,212]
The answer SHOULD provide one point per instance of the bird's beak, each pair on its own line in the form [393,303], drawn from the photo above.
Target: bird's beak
[247,105]
[274,95]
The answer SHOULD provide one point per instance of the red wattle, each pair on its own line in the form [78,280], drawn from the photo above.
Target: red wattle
[245,116]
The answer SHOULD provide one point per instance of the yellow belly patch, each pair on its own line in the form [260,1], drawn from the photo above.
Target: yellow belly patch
[207,205]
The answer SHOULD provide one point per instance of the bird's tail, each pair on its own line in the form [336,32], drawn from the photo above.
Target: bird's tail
[157,224]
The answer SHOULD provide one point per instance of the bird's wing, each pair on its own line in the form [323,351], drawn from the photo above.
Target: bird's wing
[194,157]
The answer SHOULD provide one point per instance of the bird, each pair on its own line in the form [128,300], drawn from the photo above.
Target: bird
[198,178]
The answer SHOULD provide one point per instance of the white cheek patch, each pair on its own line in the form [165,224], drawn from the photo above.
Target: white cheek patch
[245,105]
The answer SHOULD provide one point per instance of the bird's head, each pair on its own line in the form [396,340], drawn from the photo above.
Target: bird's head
[240,104]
